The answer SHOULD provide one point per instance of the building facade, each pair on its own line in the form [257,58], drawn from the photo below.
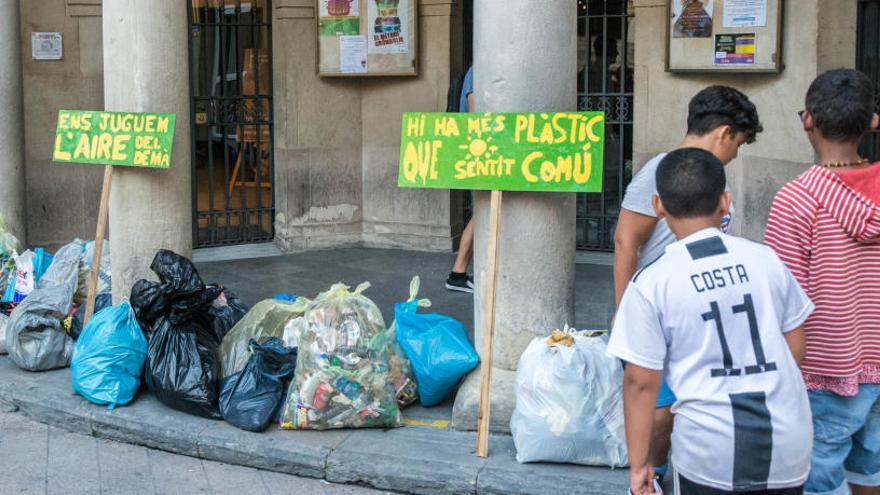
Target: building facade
[277,153]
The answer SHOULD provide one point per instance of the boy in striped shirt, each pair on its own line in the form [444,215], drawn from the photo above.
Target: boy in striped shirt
[825,226]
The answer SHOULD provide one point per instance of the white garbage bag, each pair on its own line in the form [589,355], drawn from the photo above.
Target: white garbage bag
[569,403]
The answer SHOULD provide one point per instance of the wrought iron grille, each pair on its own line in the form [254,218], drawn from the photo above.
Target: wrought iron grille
[605,82]
[868,61]
[230,53]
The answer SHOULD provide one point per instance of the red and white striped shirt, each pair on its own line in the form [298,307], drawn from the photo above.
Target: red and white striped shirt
[825,226]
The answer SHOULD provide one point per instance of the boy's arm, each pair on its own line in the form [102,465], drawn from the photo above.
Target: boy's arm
[632,232]
[788,232]
[640,386]
[797,342]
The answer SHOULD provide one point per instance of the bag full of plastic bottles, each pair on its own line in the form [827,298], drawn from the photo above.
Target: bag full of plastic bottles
[342,377]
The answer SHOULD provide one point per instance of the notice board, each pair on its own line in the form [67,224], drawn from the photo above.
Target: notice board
[724,36]
[367,37]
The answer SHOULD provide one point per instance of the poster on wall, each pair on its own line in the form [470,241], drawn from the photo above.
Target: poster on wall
[387,21]
[738,48]
[745,13]
[692,18]
[339,17]
[353,54]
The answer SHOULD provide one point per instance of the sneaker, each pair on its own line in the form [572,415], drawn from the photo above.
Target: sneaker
[459,282]
[470,282]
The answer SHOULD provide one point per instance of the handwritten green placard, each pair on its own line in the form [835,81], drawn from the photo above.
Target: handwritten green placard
[559,152]
[114,138]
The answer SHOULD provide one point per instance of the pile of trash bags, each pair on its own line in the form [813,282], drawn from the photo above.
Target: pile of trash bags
[109,356]
[180,319]
[256,365]
[342,377]
[569,402]
[35,336]
[437,346]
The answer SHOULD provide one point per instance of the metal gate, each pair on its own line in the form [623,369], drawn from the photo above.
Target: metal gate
[230,54]
[605,82]
[868,61]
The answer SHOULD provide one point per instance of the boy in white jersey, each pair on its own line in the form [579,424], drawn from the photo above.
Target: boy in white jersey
[722,317]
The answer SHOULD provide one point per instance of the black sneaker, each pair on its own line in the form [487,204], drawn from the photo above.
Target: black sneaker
[459,282]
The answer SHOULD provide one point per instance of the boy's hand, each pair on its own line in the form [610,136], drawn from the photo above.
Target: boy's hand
[641,480]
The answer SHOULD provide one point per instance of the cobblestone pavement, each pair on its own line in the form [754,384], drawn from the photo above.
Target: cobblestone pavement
[40,459]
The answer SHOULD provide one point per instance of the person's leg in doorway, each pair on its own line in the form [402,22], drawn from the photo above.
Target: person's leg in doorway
[458,279]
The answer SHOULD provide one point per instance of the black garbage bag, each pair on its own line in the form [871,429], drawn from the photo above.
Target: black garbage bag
[226,310]
[176,316]
[102,301]
[149,301]
[182,367]
[250,398]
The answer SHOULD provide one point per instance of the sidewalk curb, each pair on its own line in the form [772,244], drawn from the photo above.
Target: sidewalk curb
[411,459]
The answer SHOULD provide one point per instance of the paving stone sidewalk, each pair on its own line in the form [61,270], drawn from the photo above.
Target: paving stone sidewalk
[40,459]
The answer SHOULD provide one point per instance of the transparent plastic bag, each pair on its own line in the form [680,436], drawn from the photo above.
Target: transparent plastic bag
[85,270]
[342,377]
[405,388]
[268,318]
[569,403]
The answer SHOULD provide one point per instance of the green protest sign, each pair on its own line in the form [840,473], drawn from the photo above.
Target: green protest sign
[537,151]
[114,138]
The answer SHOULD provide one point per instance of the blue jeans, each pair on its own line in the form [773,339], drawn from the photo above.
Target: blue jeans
[846,444]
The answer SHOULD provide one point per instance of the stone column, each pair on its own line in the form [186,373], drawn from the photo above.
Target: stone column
[12,185]
[146,70]
[524,60]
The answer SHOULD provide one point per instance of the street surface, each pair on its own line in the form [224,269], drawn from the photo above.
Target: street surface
[38,459]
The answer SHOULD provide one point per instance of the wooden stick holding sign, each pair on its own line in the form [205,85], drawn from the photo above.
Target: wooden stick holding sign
[534,152]
[99,244]
[488,324]
[111,138]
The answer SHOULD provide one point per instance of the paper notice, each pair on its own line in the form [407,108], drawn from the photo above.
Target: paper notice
[745,13]
[353,54]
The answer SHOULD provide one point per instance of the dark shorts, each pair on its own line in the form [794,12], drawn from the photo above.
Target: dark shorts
[684,486]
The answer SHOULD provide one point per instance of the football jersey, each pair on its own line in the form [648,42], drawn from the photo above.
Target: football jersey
[711,312]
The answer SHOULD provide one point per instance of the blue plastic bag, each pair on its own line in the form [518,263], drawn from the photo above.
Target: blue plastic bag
[109,357]
[438,347]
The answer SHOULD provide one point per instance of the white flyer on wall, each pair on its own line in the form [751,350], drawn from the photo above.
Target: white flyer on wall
[353,54]
[745,13]
[387,23]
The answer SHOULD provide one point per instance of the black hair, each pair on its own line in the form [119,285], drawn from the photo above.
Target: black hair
[716,106]
[841,102]
[690,182]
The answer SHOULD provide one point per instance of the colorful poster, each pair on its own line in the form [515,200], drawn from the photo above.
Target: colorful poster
[745,13]
[339,17]
[352,54]
[505,151]
[692,18]
[737,48]
[114,138]
[387,21]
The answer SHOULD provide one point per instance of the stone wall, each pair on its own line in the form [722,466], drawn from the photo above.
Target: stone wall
[817,35]
[337,140]
[62,200]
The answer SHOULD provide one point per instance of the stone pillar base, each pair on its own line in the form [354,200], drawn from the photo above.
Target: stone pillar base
[503,400]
